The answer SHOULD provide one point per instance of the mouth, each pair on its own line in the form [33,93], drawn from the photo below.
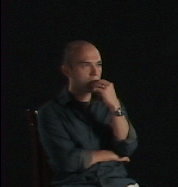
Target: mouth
[93,81]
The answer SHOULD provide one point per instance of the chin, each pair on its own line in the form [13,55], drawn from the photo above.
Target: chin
[87,89]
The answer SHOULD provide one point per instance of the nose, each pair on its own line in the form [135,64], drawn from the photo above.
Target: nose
[94,71]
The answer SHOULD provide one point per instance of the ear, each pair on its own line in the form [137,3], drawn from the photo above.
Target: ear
[66,70]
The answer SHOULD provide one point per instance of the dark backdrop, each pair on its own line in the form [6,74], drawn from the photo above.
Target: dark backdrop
[138,42]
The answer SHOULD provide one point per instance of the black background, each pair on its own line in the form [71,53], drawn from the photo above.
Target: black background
[138,43]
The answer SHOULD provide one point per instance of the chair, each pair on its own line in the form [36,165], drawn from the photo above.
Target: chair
[42,173]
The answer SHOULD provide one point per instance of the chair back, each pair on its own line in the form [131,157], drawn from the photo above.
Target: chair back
[42,172]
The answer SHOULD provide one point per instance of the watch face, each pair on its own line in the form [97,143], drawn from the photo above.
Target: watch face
[118,112]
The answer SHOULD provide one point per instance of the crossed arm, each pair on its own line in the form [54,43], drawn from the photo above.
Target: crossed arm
[123,132]
[63,152]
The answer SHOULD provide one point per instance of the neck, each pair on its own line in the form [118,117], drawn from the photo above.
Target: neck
[80,95]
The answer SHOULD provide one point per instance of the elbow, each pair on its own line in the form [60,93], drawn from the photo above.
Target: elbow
[131,148]
[125,148]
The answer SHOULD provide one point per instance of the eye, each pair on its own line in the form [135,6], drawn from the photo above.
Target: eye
[86,64]
[100,64]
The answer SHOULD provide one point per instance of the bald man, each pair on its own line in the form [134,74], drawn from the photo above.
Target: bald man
[85,130]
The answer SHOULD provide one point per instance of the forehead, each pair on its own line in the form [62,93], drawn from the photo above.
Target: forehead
[87,53]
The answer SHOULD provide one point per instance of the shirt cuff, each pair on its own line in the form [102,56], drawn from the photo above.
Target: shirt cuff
[132,136]
[86,157]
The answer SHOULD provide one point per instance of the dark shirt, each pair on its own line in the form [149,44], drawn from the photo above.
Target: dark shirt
[70,130]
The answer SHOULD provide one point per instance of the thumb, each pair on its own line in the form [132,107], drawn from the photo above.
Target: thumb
[98,90]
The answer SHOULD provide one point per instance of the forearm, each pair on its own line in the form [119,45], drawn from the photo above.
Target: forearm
[120,127]
[103,156]
[125,147]
[125,138]
[119,124]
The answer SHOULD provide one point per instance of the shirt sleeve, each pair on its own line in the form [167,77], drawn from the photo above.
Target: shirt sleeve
[128,146]
[63,154]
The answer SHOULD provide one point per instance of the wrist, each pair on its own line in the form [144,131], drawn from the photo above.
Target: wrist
[114,107]
[117,112]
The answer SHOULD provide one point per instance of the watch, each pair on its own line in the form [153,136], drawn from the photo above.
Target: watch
[118,112]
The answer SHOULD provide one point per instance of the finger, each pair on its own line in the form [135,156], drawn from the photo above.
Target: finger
[105,82]
[94,84]
[98,90]
[124,159]
[99,85]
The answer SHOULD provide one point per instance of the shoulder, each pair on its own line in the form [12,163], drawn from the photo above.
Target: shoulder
[51,107]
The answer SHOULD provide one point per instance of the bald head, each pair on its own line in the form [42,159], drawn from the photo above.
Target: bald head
[81,65]
[74,49]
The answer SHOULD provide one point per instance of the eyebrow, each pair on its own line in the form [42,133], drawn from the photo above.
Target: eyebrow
[83,62]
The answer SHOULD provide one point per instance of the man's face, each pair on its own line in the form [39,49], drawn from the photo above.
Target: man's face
[86,67]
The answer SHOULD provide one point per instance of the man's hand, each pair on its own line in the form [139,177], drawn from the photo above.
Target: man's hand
[105,156]
[107,91]
[120,124]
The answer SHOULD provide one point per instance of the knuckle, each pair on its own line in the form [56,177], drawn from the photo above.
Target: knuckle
[111,84]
